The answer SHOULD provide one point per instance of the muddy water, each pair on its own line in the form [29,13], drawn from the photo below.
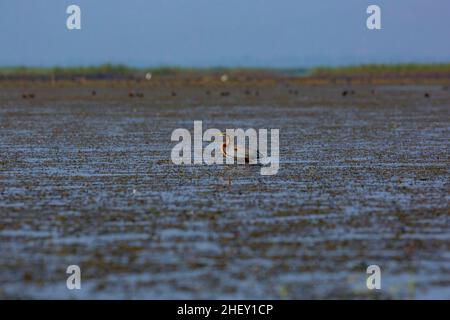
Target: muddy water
[88,180]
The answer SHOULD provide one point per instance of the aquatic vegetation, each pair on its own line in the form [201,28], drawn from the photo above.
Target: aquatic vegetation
[365,182]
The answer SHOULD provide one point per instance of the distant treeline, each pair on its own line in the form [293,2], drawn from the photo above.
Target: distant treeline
[110,71]
[377,69]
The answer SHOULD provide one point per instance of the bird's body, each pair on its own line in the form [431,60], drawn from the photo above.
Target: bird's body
[249,155]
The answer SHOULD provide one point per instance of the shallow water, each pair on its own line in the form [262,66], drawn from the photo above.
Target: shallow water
[88,181]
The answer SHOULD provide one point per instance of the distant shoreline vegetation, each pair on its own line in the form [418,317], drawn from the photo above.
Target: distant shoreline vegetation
[119,71]
[124,70]
[384,68]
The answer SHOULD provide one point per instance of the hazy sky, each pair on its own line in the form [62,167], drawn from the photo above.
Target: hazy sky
[277,33]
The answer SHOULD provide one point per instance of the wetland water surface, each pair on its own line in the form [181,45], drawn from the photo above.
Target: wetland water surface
[88,181]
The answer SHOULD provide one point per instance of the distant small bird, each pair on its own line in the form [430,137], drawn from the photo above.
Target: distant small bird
[249,154]
[344,93]
[426,95]
[130,94]
[224,93]
[31,95]
[94,92]
[174,94]
[24,96]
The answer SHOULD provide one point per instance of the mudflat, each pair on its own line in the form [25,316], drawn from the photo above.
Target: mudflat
[86,179]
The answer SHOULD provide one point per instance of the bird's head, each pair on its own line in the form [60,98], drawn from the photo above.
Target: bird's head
[226,137]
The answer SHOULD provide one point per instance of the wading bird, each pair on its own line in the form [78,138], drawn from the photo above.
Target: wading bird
[249,154]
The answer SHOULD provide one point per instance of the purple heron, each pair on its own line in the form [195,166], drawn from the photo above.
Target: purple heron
[248,154]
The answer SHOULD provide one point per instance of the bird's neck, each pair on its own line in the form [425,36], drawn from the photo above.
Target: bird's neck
[227,140]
